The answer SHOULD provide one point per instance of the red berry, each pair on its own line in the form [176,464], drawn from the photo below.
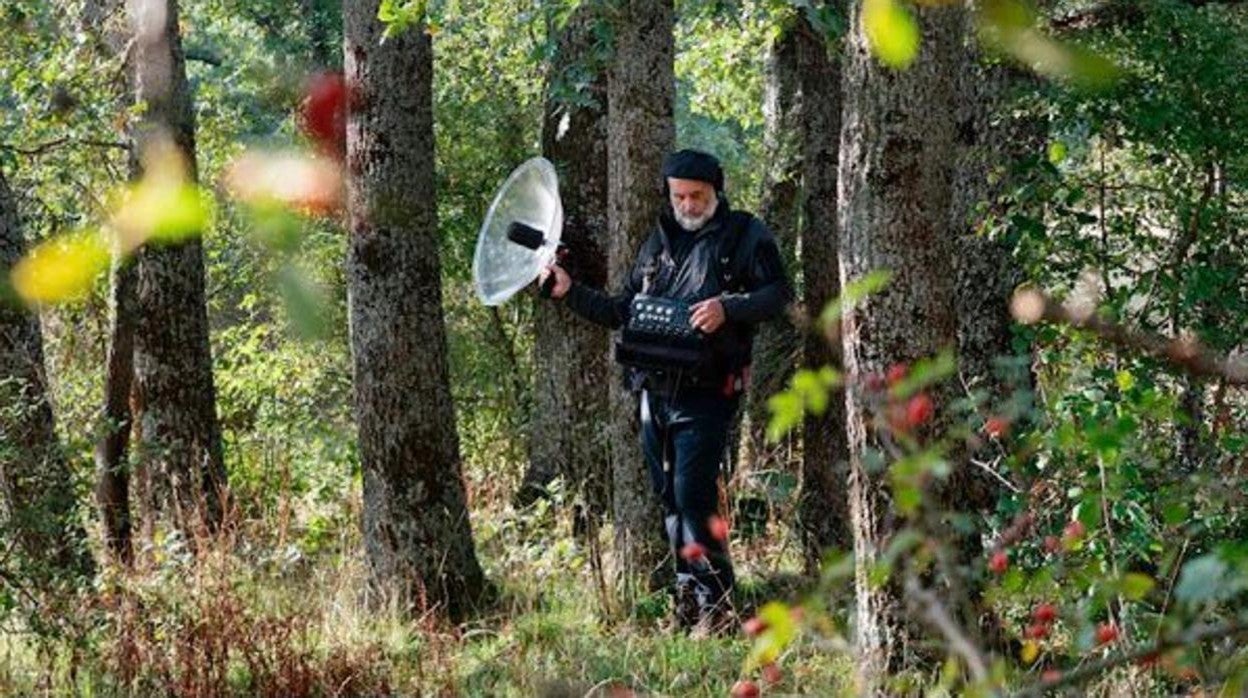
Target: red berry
[754,626]
[1074,531]
[324,111]
[745,689]
[718,527]
[1036,631]
[772,674]
[1052,545]
[1044,613]
[999,563]
[996,427]
[1106,633]
[919,409]
[693,551]
[1050,675]
[897,373]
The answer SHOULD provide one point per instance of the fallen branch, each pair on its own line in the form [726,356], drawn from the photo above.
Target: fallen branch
[1030,306]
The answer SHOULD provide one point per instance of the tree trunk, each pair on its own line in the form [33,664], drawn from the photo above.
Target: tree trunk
[105,19]
[571,355]
[776,343]
[417,535]
[112,477]
[181,447]
[641,88]
[894,189]
[823,508]
[988,140]
[36,483]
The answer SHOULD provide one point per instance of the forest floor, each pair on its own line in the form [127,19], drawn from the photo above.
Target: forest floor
[257,614]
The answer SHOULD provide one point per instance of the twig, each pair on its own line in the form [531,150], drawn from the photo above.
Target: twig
[1190,637]
[1030,306]
[987,467]
[926,603]
[63,140]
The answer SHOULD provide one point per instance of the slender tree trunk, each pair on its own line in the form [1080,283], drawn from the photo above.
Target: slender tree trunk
[571,355]
[895,194]
[417,534]
[823,508]
[112,480]
[107,21]
[641,88]
[181,446]
[776,343]
[36,483]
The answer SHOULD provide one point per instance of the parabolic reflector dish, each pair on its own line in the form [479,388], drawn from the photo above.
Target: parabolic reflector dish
[529,197]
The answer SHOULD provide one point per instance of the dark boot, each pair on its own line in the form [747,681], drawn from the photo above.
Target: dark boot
[685,605]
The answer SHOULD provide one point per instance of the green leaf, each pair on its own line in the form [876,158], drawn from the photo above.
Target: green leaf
[892,32]
[1125,380]
[1202,579]
[779,633]
[853,292]
[1135,586]
[1057,152]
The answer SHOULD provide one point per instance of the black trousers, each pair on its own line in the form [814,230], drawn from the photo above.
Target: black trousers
[683,436]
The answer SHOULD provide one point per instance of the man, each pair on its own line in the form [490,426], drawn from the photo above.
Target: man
[727,266]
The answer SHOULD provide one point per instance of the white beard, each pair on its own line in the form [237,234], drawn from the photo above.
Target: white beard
[693,224]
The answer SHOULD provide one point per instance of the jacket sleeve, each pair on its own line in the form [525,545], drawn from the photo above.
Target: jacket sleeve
[767,288]
[602,308]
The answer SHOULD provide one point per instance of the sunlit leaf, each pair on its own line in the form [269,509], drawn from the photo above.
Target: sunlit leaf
[1010,26]
[892,32]
[1057,152]
[301,182]
[164,206]
[61,269]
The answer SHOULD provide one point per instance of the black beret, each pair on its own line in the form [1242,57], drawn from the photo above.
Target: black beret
[693,164]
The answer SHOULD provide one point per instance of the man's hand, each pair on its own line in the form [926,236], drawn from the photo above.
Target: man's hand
[563,282]
[707,315]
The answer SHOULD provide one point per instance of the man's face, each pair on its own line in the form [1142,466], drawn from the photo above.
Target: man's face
[693,202]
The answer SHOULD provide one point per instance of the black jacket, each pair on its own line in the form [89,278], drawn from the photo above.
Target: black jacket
[733,256]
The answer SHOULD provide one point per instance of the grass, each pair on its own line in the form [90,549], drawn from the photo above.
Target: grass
[249,617]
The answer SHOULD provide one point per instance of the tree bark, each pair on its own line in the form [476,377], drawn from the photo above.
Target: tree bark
[181,438]
[641,130]
[894,196]
[571,355]
[112,476]
[36,483]
[417,534]
[105,19]
[776,343]
[823,508]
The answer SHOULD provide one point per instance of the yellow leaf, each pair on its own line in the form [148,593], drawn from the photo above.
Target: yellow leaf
[162,211]
[1029,652]
[61,269]
[164,205]
[892,32]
